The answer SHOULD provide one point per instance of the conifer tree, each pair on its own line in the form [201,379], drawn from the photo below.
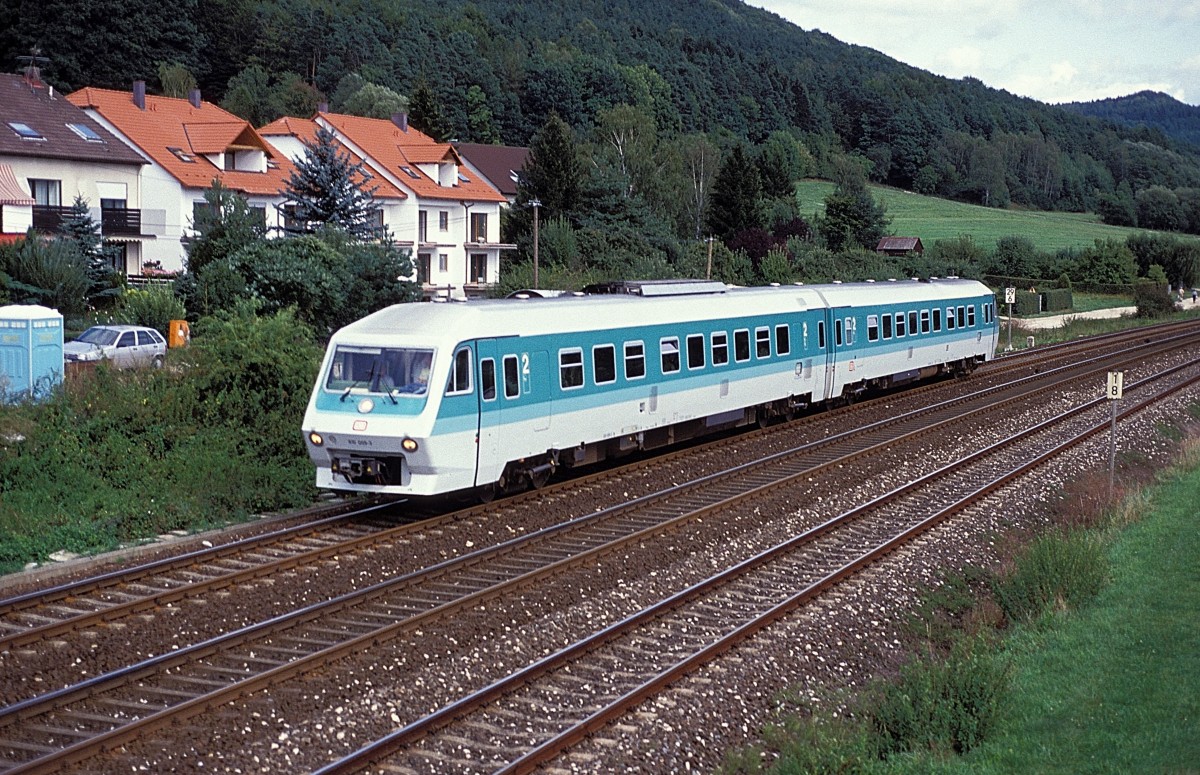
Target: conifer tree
[79,228]
[734,206]
[327,190]
[425,113]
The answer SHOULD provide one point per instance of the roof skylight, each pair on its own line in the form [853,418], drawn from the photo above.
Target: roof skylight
[26,131]
[86,132]
[182,154]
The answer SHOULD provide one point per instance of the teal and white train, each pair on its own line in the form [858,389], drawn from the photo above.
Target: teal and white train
[491,396]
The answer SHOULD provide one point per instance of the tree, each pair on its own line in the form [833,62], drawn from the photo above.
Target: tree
[175,79]
[250,96]
[480,121]
[853,217]
[374,101]
[80,228]
[326,190]
[734,207]
[50,272]
[425,113]
[224,225]
[552,174]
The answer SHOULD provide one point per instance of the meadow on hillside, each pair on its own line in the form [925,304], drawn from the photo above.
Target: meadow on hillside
[932,219]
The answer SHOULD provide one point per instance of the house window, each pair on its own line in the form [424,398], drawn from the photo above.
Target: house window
[635,360]
[46,193]
[478,227]
[443,221]
[478,268]
[422,226]
[409,171]
[423,260]
[182,155]
[443,262]
[117,254]
[25,131]
[230,161]
[720,348]
[570,368]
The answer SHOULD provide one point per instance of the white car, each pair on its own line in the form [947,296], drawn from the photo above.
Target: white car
[124,346]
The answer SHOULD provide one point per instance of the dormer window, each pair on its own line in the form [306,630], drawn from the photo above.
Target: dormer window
[25,131]
[183,155]
[86,132]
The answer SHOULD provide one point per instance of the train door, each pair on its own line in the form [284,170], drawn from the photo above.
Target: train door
[537,381]
[488,462]
[832,335]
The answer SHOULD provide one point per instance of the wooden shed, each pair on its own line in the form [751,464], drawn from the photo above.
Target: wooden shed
[899,246]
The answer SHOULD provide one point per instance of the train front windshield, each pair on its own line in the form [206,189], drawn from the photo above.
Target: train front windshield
[393,370]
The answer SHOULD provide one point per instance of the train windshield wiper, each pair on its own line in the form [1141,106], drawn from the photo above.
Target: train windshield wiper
[357,382]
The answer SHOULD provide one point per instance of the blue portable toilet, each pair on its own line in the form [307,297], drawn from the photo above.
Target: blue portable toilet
[31,351]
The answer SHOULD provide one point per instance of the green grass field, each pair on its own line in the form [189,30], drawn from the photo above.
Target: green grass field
[932,219]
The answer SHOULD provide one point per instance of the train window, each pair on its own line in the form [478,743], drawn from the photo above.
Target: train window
[635,360]
[887,326]
[962,317]
[487,378]
[971,315]
[937,319]
[912,323]
[783,340]
[924,322]
[397,370]
[837,332]
[570,368]
[900,325]
[512,378]
[460,375]
[851,330]
[741,345]
[949,318]
[820,334]
[669,350]
[720,348]
[872,328]
[695,351]
[762,342]
[604,364]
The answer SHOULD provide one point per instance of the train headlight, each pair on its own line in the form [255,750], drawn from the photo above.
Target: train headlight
[315,438]
[409,445]
[366,405]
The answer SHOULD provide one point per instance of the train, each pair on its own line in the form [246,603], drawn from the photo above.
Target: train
[491,396]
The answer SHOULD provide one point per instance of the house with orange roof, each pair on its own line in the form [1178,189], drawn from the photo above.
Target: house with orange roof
[188,143]
[50,153]
[431,203]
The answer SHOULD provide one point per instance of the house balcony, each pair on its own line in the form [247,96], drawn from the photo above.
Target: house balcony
[47,218]
[120,221]
[114,221]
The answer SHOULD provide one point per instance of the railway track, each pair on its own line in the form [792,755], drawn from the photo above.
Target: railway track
[86,603]
[245,661]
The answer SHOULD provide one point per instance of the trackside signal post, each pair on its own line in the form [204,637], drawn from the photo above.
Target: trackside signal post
[1116,383]
[1010,296]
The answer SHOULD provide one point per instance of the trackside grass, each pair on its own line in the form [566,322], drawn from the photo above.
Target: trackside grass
[1114,687]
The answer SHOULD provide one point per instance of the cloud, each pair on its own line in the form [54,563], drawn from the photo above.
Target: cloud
[964,60]
[1062,73]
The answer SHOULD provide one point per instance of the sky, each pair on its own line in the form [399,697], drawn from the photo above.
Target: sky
[1051,50]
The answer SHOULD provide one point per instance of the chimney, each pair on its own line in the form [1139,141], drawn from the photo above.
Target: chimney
[139,94]
[322,107]
[400,120]
[194,97]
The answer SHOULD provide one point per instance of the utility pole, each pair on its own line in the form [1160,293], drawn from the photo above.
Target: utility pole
[535,204]
[708,271]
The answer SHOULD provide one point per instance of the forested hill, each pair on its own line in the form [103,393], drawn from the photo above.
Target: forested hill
[1147,108]
[494,69]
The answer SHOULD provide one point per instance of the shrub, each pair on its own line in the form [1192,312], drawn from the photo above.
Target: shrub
[50,272]
[1152,300]
[1057,571]
[1058,299]
[155,307]
[941,706]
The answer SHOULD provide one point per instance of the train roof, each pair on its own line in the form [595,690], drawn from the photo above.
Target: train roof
[638,304]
